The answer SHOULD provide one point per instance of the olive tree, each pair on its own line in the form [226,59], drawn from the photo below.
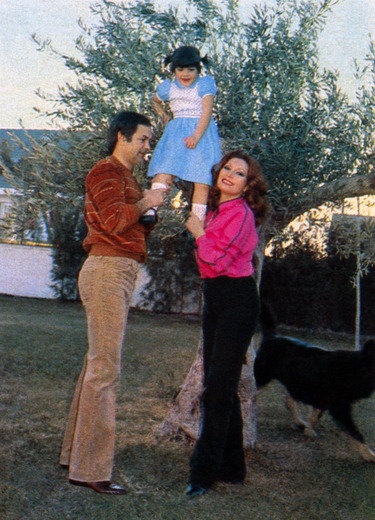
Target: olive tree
[315,144]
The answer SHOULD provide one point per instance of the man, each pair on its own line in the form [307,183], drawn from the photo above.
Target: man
[116,244]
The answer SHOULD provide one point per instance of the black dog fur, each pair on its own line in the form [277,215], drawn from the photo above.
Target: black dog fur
[325,379]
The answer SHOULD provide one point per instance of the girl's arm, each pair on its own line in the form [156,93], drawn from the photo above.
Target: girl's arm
[158,107]
[207,104]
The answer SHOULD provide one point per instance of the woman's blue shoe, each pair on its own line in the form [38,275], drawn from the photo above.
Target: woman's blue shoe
[194,491]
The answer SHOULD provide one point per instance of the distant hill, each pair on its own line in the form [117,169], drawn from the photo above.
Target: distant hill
[7,133]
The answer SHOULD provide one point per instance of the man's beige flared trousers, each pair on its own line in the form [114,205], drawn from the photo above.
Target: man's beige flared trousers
[106,286]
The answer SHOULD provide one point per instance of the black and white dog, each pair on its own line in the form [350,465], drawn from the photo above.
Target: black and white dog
[325,379]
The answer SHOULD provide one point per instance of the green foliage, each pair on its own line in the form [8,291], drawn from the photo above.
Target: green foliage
[49,179]
[317,284]
[50,176]
[364,110]
[69,230]
[273,99]
[5,154]
[175,281]
[174,284]
[361,231]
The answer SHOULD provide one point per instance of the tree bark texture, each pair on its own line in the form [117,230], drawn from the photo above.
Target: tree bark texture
[183,418]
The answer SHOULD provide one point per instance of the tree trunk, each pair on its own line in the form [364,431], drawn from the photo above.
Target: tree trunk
[183,418]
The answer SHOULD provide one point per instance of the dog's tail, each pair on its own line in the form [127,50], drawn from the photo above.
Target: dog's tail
[267,321]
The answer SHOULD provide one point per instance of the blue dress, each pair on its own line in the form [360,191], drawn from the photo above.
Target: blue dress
[171,155]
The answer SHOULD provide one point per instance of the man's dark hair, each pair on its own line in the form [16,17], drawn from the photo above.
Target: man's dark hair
[125,122]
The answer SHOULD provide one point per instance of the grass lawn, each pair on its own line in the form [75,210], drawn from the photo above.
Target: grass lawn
[289,478]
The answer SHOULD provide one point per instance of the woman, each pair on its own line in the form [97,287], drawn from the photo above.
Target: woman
[225,247]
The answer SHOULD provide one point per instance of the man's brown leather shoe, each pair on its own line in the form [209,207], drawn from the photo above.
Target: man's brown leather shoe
[106,486]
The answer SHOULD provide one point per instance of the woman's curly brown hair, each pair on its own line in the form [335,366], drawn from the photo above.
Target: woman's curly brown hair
[256,188]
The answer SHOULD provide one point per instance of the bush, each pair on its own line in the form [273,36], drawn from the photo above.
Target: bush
[309,289]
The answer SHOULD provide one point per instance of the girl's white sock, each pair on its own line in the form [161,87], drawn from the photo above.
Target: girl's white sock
[156,186]
[199,210]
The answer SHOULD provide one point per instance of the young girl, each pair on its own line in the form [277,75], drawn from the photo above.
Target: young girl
[190,143]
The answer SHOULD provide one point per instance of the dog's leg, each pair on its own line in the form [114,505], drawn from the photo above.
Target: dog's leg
[343,416]
[291,404]
[314,417]
[364,450]
[308,427]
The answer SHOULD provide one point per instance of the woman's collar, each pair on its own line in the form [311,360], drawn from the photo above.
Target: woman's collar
[228,201]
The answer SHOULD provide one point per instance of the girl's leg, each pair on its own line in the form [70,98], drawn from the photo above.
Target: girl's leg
[199,203]
[160,181]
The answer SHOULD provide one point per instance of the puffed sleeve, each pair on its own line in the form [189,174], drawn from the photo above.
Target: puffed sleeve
[163,90]
[206,86]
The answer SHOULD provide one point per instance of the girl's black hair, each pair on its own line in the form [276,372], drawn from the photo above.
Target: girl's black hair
[185,56]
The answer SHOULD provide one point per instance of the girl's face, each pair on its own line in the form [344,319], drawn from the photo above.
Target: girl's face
[232,179]
[186,75]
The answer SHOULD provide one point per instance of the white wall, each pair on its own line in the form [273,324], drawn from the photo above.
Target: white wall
[25,271]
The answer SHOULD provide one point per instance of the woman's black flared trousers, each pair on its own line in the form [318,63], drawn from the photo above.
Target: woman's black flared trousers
[230,315]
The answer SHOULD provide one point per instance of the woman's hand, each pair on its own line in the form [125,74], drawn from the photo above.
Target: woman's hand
[195,226]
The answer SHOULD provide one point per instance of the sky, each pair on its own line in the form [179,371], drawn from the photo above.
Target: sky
[24,69]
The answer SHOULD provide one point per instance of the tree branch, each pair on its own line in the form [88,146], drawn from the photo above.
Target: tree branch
[339,189]
[334,191]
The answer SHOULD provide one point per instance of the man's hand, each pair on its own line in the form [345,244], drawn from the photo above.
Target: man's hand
[154,198]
